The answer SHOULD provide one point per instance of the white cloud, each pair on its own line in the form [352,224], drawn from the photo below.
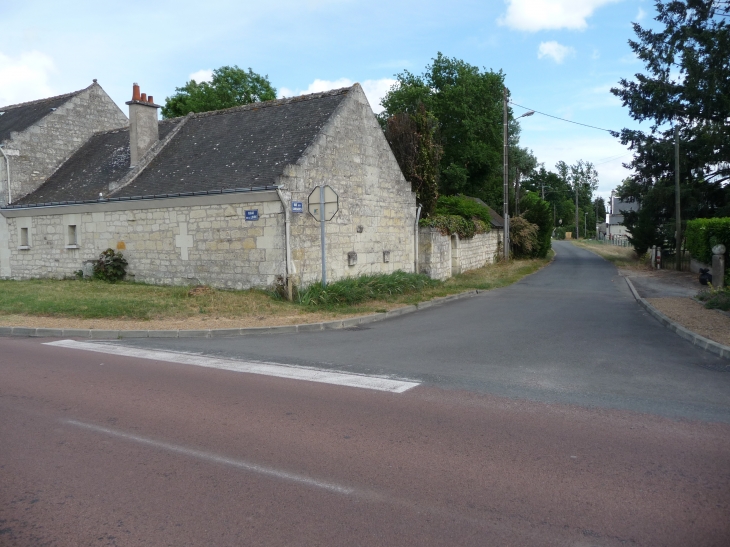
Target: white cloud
[557,52]
[203,75]
[534,15]
[374,90]
[25,78]
[640,15]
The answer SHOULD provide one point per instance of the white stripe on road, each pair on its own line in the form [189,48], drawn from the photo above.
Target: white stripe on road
[214,458]
[309,374]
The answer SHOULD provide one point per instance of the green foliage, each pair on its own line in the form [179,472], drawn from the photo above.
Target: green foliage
[537,211]
[354,290]
[686,84]
[448,225]
[523,236]
[230,86]
[414,142]
[704,233]
[716,299]
[111,266]
[560,232]
[467,102]
[464,207]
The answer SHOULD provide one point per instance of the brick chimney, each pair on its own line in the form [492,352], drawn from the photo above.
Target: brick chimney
[143,132]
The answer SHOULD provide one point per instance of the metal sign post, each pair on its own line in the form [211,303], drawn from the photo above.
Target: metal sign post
[321,231]
[323,208]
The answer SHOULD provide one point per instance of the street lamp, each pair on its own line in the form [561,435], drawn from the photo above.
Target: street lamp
[506,177]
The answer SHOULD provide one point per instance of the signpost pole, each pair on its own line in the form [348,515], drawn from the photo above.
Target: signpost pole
[321,228]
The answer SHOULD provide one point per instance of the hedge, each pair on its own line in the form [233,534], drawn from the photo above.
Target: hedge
[454,224]
[704,233]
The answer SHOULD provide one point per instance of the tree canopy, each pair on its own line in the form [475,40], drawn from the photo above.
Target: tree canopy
[230,86]
[686,84]
[467,104]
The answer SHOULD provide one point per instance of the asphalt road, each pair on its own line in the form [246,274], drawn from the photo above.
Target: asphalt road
[552,412]
[571,333]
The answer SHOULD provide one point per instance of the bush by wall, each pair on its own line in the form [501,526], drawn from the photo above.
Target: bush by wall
[704,233]
[463,207]
[537,211]
[111,266]
[454,224]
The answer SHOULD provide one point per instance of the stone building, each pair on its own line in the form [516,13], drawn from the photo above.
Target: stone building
[218,198]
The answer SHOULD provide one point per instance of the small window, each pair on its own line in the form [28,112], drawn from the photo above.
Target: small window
[24,237]
[72,241]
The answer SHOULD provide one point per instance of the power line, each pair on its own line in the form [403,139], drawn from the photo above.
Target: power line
[564,120]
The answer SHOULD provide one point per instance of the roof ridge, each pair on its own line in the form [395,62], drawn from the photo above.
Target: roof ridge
[276,102]
[38,101]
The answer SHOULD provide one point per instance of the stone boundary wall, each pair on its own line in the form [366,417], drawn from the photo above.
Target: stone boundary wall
[478,250]
[434,254]
[441,256]
[199,244]
[45,145]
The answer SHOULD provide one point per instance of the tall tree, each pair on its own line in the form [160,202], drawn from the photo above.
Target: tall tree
[230,86]
[686,84]
[467,102]
[414,141]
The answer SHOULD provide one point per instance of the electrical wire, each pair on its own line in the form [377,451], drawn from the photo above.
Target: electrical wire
[564,120]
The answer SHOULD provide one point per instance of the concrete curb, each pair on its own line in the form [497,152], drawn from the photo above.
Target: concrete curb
[100,334]
[697,340]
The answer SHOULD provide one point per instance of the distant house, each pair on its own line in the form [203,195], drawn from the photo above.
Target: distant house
[614,223]
[218,198]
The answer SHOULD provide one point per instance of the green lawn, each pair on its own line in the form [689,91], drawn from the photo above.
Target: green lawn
[96,299]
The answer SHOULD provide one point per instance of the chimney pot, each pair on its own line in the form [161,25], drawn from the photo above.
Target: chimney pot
[150,100]
[135,91]
[144,97]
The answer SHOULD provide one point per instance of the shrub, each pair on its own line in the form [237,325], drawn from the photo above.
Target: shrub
[523,236]
[354,290]
[111,266]
[704,233]
[537,211]
[454,224]
[463,207]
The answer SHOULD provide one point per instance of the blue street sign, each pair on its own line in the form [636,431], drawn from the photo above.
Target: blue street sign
[297,207]
[252,215]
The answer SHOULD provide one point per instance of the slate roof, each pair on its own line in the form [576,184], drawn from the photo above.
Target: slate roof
[237,148]
[103,159]
[18,117]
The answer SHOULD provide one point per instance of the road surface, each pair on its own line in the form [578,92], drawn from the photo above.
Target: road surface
[551,412]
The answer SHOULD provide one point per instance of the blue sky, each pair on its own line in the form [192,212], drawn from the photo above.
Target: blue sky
[559,56]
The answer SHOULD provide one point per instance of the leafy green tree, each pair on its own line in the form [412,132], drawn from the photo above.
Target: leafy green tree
[414,142]
[599,206]
[230,86]
[686,84]
[467,102]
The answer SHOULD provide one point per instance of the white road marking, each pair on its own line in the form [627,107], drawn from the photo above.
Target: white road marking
[214,458]
[293,372]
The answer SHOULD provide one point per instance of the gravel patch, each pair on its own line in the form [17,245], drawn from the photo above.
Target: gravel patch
[694,316]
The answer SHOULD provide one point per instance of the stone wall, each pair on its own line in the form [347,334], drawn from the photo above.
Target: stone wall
[441,256]
[434,254]
[478,250]
[377,208]
[44,146]
[208,243]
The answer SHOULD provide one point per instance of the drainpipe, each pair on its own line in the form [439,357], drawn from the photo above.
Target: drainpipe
[289,272]
[415,233]
[7,167]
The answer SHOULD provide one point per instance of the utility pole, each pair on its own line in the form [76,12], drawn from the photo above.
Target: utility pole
[677,210]
[517,194]
[577,220]
[506,175]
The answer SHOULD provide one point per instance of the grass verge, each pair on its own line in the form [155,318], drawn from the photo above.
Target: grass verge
[621,257]
[93,299]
